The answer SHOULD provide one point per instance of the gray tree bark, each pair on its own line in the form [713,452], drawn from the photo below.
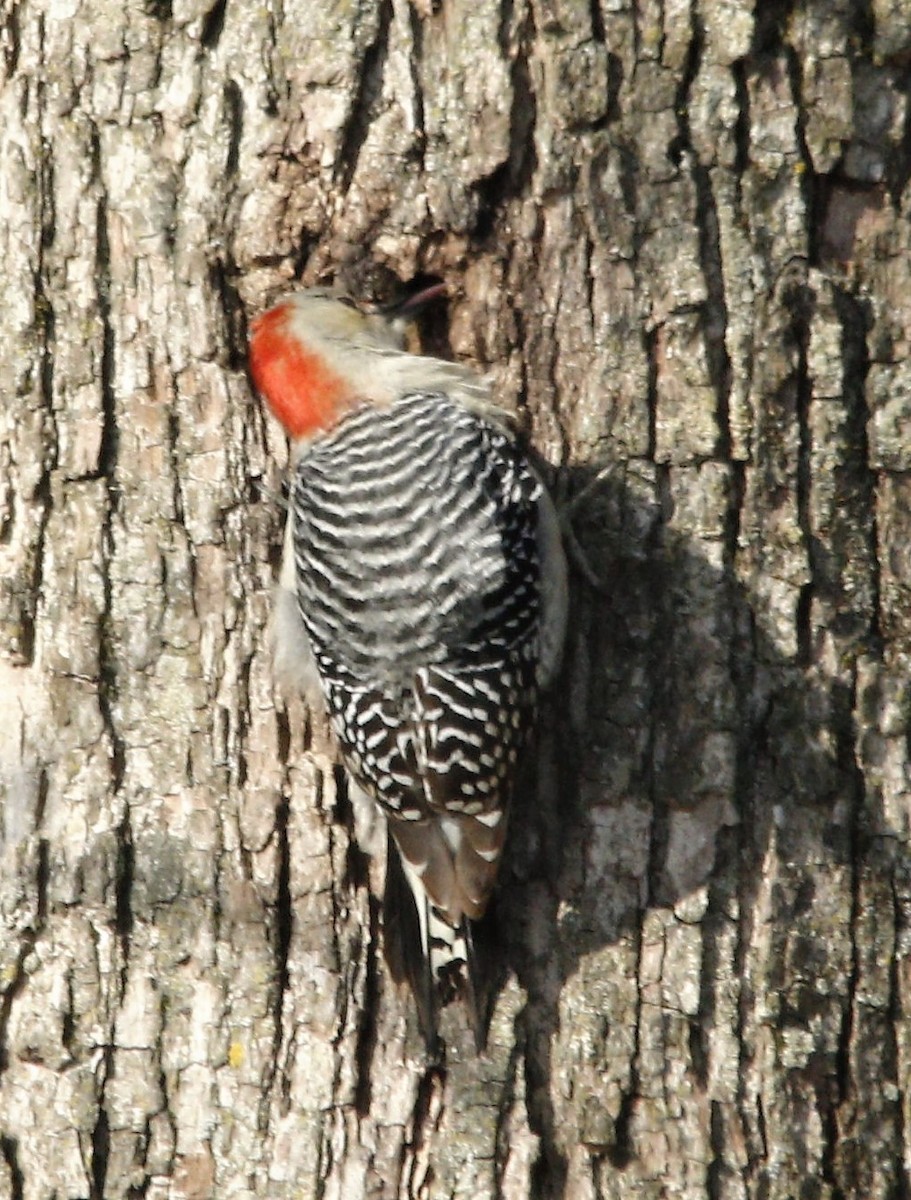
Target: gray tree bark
[678,235]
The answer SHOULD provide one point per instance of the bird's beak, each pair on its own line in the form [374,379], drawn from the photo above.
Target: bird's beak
[409,308]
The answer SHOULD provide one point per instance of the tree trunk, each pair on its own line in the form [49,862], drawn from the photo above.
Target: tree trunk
[678,236]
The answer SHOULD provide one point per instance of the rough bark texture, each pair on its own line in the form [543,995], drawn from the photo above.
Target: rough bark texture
[678,233]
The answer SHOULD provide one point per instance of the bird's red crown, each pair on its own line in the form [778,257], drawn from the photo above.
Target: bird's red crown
[303,392]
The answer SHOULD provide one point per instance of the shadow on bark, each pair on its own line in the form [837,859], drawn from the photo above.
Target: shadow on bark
[682,750]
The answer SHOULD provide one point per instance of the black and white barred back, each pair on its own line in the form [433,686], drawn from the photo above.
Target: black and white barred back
[418,583]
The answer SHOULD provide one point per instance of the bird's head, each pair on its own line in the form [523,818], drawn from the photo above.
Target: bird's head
[317,353]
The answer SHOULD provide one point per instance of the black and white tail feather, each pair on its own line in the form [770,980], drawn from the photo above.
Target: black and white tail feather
[434,958]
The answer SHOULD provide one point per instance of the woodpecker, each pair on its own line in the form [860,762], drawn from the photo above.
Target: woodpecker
[423,588]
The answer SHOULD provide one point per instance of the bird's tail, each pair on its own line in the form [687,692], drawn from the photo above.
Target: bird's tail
[426,950]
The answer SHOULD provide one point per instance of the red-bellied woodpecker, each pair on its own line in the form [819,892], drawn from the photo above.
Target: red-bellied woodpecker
[424,579]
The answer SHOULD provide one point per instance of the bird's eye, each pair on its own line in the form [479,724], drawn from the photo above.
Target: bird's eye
[347,301]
